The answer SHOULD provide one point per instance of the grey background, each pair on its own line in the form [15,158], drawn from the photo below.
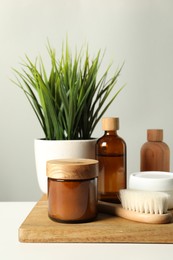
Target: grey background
[135,31]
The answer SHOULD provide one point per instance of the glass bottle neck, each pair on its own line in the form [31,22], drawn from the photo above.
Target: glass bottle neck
[112,132]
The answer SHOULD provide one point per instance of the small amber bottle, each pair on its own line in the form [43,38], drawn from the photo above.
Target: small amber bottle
[111,154]
[155,154]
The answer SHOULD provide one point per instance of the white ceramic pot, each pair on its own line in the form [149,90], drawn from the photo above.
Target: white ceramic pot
[59,149]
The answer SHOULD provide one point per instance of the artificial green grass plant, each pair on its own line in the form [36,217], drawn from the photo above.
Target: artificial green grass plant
[70,100]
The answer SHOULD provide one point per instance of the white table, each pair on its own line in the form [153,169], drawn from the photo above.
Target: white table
[12,215]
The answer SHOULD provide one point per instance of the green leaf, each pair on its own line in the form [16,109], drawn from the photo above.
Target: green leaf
[70,99]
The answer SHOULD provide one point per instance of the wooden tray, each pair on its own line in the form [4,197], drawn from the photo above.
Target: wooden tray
[38,228]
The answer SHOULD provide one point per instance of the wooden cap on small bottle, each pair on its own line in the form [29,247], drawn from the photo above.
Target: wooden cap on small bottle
[110,123]
[155,135]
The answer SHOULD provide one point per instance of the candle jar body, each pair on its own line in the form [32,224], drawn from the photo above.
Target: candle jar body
[72,190]
[72,200]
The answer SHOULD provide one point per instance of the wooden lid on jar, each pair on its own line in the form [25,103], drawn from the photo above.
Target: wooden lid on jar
[72,169]
[155,135]
[110,123]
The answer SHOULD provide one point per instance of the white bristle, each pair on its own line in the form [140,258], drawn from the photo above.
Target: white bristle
[144,201]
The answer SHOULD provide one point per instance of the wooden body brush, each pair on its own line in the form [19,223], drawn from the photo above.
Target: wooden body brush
[146,207]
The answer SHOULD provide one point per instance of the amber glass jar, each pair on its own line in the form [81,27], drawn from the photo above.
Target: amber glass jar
[111,154]
[72,190]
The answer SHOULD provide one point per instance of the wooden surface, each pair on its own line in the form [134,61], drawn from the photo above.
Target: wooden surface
[38,228]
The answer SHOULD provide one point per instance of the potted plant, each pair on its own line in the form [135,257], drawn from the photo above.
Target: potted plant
[68,101]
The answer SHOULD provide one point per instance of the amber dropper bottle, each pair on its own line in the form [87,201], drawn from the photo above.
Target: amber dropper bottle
[111,154]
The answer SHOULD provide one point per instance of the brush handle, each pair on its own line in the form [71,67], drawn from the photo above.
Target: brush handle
[118,210]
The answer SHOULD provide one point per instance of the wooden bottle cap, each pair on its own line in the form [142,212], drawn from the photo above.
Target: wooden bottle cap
[155,135]
[110,123]
[72,169]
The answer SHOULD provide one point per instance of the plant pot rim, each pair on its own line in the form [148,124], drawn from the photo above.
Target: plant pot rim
[75,140]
